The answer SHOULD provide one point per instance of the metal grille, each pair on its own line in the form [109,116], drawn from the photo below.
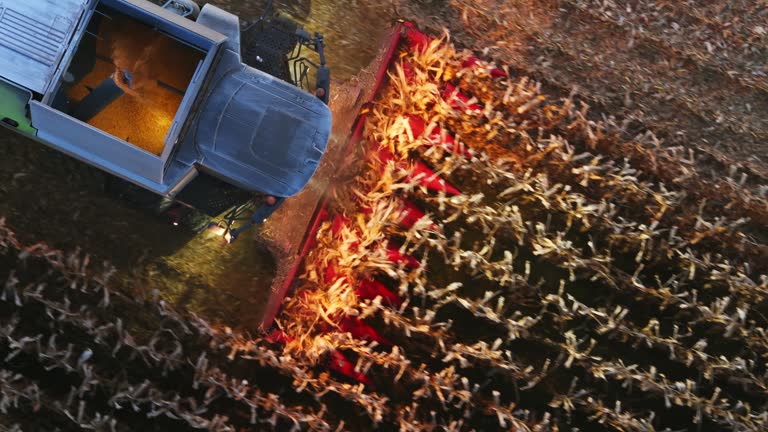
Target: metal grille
[267,44]
[30,37]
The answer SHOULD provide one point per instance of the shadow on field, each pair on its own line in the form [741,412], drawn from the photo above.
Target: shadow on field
[47,197]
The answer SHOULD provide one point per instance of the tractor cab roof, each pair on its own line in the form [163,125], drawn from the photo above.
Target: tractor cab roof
[265,134]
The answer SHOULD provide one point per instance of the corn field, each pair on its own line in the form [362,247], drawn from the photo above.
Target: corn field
[575,281]
[495,261]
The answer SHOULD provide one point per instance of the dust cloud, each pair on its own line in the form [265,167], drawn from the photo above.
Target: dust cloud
[148,56]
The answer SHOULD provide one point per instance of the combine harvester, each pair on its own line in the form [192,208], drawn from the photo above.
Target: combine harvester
[218,116]
[186,110]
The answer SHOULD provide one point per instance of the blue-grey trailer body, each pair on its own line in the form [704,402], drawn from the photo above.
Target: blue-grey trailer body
[228,123]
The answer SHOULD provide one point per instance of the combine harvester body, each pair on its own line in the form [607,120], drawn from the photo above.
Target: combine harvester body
[212,124]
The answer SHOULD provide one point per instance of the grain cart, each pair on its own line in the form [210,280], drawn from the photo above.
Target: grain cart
[182,107]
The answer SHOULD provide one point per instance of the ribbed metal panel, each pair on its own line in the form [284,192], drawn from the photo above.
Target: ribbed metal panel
[34,35]
[30,37]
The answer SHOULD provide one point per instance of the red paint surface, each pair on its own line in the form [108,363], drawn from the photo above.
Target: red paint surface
[359,329]
[395,256]
[322,213]
[419,172]
[369,289]
[458,99]
[473,62]
[338,363]
[436,136]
